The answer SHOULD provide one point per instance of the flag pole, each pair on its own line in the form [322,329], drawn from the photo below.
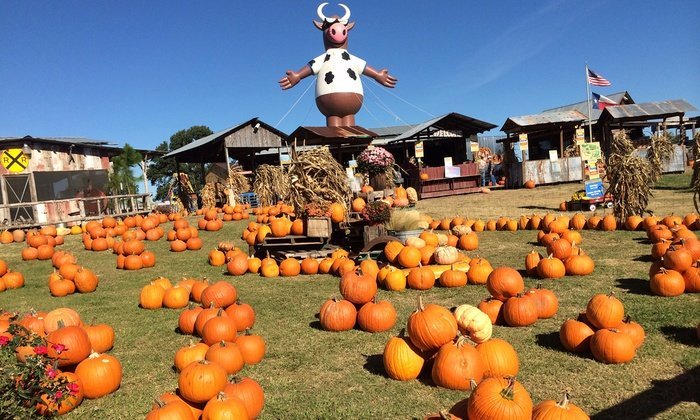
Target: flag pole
[588,100]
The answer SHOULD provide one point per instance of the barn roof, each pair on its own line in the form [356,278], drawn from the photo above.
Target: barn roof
[315,136]
[582,107]
[531,122]
[448,122]
[646,111]
[210,148]
[112,149]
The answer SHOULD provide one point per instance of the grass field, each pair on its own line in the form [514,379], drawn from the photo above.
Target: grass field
[310,373]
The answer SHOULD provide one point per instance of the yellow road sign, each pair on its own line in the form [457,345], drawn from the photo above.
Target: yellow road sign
[14,160]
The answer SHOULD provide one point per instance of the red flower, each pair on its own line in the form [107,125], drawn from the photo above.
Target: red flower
[51,372]
[4,340]
[74,388]
[41,350]
[58,395]
[58,347]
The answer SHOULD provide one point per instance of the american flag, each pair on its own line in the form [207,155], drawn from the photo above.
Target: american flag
[595,79]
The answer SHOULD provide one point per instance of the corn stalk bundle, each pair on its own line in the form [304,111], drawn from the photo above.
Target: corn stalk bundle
[238,183]
[572,150]
[316,177]
[208,195]
[695,180]
[661,150]
[270,184]
[630,178]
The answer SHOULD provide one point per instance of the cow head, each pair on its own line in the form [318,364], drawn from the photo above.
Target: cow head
[335,29]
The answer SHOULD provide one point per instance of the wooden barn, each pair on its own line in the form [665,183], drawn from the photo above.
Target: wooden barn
[48,180]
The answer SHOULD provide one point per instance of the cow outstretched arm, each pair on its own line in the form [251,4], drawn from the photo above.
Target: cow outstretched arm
[293,77]
[382,76]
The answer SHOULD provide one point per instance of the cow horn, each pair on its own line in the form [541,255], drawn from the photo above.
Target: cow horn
[319,12]
[346,17]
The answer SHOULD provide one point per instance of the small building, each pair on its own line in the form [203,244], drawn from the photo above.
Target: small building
[47,180]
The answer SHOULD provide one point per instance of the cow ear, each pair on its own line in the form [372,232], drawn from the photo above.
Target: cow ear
[350,26]
[318,25]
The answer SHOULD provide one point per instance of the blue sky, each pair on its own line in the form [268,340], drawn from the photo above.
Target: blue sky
[137,72]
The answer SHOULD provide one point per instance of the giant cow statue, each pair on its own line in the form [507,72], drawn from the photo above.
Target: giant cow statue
[338,87]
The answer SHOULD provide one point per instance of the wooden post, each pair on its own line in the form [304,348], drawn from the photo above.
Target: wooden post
[561,141]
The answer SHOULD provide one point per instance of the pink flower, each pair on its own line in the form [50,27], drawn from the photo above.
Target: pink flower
[51,372]
[58,347]
[4,340]
[58,395]
[41,350]
[74,388]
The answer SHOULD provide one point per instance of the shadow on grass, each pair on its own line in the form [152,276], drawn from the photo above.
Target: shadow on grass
[636,286]
[374,364]
[644,258]
[539,208]
[549,340]
[662,395]
[682,335]
[316,325]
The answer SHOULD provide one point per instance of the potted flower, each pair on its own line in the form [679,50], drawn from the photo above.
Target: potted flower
[375,162]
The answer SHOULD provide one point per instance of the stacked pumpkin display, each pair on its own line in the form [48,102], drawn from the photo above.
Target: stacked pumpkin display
[439,336]
[203,388]
[41,245]
[210,220]
[676,252]
[603,330]
[564,257]
[132,255]
[511,305]
[184,237]
[360,305]
[9,279]
[69,277]
[76,347]
[234,213]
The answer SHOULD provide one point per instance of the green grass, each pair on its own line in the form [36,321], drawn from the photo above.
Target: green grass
[309,373]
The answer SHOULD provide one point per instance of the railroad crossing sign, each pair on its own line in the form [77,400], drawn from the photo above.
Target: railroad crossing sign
[14,160]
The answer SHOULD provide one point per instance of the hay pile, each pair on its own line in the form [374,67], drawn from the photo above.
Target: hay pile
[630,177]
[271,184]
[316,177]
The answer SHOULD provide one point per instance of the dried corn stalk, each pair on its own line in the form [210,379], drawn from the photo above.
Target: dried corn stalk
[270,184]
[316,177]
[238,183]
[695,180]
[630,178]
[660,151]
[208,195]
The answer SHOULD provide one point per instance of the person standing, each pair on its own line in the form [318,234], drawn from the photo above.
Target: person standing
[483,168]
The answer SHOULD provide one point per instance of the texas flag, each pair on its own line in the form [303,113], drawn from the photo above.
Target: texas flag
[600,101]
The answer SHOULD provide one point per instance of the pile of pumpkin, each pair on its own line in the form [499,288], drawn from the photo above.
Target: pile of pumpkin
[132,255]
[234,213]
[603,330]
[264,213]
[509,303]
[69,277]
[401,197]
[76,347]
[9,279]
[359,306]
[675,251]
[41,246]
[7,237]
[184,237]
[161,293]
[210,220]
[203,388]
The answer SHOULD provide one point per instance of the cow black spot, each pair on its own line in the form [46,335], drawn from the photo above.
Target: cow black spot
[352,74]
[311,63]
[329,77]
[345,56]
[328,57]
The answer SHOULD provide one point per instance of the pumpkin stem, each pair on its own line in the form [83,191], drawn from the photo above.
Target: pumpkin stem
[421,307]
[507,392]
[159,403]
[564,403]
[472,384]
[60,324]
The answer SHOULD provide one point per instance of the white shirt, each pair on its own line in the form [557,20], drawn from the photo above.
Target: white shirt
[337,71]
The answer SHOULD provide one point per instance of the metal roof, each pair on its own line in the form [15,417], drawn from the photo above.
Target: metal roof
[582,107]
[545,118]
[315,136]
[212,141]
[449,122]
[392,131]
[647,110]
[112,148]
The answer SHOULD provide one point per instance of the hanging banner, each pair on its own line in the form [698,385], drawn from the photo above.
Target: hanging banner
[14,160]
[419,149]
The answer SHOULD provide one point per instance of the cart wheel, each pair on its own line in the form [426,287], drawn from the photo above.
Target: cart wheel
[592,207]
[609,204]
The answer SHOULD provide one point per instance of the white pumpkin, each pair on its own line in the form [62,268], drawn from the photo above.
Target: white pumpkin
[460,230]
[446,255]
[415,241]
[473,322]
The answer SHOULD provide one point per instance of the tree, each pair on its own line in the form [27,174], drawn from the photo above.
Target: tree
[122,180]
[161,170]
